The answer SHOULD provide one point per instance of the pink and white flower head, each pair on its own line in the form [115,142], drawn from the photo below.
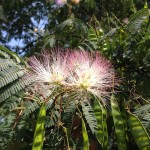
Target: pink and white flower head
[50,68]
[91,72]
[79,71]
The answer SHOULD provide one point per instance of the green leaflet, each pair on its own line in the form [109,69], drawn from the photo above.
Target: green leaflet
[99,116]
[119,125]
[85,137]
[39,130]
[139,133]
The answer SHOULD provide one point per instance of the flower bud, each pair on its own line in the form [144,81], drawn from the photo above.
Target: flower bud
[35,29]
[60,2]
[75,1]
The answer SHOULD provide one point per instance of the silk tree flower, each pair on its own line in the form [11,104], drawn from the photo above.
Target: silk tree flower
[50,68]
[92,73]
[80,72]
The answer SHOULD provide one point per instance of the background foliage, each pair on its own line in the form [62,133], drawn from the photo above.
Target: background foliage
[120,30]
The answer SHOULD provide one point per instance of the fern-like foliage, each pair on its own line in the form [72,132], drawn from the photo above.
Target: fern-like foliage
[13,102]
[49,104]
[69,111]
[12,70]
[30,107]
[68,115]
[137,20]
[12,88]
[53,117]
[89,115]
[144,114]
[10,75]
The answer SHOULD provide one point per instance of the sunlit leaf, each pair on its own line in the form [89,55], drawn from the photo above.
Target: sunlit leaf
[39,129]
[85,137]
[119,124]
[139,133]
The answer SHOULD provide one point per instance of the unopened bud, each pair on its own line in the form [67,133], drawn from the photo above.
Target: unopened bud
[75,1]
[60,2]
[35,29]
